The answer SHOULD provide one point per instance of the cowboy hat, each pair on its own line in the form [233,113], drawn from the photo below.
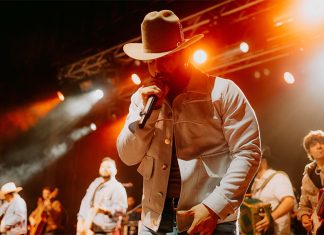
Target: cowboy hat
[162,35]
[9,188]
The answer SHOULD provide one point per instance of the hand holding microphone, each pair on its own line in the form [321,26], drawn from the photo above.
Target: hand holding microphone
[152,96]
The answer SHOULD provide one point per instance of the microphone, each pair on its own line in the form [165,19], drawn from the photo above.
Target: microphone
[146,113]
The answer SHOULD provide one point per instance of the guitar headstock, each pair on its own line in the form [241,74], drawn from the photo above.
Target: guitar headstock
[54,193]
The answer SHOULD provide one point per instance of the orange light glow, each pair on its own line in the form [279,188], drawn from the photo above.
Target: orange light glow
[112,130]
[23,118]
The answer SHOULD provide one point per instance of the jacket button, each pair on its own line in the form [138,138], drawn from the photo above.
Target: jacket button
[160,194]
[164,166]
[167,141]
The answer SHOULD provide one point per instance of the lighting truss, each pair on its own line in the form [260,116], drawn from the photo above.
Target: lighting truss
[200,22]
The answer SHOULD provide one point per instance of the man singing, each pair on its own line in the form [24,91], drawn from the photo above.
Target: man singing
[199,149]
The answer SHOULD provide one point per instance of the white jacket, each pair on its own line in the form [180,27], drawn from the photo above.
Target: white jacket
[14,220]
[217,145]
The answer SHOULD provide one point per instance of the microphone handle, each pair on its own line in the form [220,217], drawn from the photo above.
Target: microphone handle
[146,113]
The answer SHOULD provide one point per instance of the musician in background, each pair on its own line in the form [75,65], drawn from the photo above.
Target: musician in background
[131,220]
[14,219]
[104,203]
[273,187]
[134,211]
[48,217]
[312,180]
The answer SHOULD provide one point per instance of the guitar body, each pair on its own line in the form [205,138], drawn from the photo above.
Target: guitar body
[40,224]
[41,217]
[87,223]
[38,228]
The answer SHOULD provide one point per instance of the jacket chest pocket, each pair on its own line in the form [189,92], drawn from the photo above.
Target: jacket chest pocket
[197,111]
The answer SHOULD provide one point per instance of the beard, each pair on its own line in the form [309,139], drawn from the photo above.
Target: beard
[104,174]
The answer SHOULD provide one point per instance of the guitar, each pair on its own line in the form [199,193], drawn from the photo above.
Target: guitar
[86,225]
[40,216]
[320,212]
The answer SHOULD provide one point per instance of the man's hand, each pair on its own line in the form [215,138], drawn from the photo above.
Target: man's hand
[47,205]
[155,87]
[205,220]
[32,221]
[264,224]
[307,222]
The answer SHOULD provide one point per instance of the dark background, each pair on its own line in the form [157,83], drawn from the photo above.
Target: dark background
[39,38]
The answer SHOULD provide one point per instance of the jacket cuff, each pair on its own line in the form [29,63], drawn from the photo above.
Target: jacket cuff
[219,204]
[133,126]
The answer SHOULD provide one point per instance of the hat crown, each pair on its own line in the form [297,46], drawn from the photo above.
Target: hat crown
[161,31]
[9,187]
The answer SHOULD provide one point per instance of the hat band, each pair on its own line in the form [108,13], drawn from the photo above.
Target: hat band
[148,50]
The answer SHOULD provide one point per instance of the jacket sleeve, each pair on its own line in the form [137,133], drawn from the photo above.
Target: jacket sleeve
[305,205]
[86,201]
[18,214]
[241,131]
[133,142]
[3,208]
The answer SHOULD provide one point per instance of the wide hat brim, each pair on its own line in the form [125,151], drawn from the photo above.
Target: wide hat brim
[136,50]
[16,190]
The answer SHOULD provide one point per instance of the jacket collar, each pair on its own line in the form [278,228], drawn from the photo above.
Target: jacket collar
[309,167]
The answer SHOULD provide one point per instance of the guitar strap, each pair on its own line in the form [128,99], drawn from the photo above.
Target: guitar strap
[315,178]
[100,186]
[265,182]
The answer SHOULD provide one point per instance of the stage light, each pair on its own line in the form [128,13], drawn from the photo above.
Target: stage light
[200,56]
[97,94]
[244,47]
[60,95]
[289,78]
[137,63]
[93,126]
[136,79]
[257,74]
[266,72]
